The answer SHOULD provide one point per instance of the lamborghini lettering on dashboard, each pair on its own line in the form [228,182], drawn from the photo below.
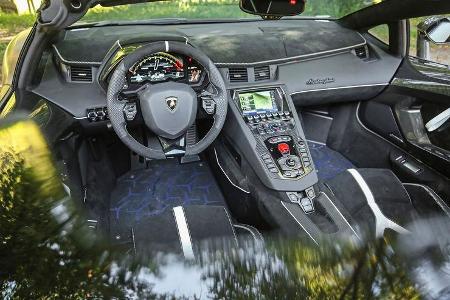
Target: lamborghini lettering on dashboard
[320,81]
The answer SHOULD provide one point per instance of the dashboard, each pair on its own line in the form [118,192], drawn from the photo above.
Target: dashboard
[163,66]
[317,60]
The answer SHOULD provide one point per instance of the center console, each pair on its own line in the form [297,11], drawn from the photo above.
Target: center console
[281,145]
[263,127]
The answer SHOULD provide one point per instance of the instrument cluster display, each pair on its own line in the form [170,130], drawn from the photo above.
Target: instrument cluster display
[164,66]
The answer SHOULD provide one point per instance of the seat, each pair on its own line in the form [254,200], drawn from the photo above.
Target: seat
[187,231]
[171,207]
[360,202]
[372,199]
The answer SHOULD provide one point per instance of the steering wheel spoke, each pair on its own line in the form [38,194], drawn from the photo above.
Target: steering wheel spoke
[132,93]
[129,99]
[175,147]
[131,111]
[210,90]
[207,96]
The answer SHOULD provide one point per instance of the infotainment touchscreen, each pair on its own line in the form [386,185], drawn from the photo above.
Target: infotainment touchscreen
[258,102]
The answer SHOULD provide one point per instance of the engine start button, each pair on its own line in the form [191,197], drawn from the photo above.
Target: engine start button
[284,148]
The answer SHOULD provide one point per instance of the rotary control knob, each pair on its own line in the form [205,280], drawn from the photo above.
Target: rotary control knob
[290,162]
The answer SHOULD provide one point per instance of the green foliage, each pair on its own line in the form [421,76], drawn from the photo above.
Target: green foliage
[38,231]
[8,6]
[210,9]
[10,25]
[334,8]
[381,32]
[168,9]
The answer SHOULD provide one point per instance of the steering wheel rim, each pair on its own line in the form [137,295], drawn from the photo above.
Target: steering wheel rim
[116,107]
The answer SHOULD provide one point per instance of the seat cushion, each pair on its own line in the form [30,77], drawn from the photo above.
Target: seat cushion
[370,194]
[172,231]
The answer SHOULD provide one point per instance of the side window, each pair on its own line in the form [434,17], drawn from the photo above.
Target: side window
[8,59]
[381,32]
[439,53]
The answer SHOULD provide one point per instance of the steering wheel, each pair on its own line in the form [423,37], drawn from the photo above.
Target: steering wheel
[168,109]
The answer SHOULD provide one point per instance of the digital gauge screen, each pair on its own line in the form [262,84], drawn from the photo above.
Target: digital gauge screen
[258,102]
[157,67]
[164,66]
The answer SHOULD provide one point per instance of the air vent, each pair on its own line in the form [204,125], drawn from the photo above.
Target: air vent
[262,73]
[238,74]
[80,74]
[361,52]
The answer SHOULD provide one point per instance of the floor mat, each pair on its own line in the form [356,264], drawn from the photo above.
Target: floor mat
[144,193]
[328,162]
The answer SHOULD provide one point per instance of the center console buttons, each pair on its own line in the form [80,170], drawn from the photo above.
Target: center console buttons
[293,197]
[271,165]
[274,140]
[278,139]
[289,174]
[289,163]
[266,156]
[273,170]
[310,193]
[307,205]
[299,198]
[267,159]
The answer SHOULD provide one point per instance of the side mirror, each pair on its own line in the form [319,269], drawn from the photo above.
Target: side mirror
[435,30]
[274,9]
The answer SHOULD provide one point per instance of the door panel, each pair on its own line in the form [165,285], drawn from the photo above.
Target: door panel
[439,137]
[416,95]
[429,85]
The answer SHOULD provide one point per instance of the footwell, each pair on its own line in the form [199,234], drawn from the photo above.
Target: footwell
[328,162]
[149,192]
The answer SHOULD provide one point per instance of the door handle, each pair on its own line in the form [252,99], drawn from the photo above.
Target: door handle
[438,121]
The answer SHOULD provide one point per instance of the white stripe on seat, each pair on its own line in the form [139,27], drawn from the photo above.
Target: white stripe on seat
[381,221]
[183,232]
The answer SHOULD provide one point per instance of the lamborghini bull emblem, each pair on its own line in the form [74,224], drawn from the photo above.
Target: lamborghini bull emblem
[172,103]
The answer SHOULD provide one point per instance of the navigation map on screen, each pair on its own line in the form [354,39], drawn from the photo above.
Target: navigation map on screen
[257,102]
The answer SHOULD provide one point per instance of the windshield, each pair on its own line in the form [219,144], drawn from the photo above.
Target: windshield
[211,9]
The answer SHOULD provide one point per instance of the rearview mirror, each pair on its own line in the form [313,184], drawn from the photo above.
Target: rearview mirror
[274,9]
